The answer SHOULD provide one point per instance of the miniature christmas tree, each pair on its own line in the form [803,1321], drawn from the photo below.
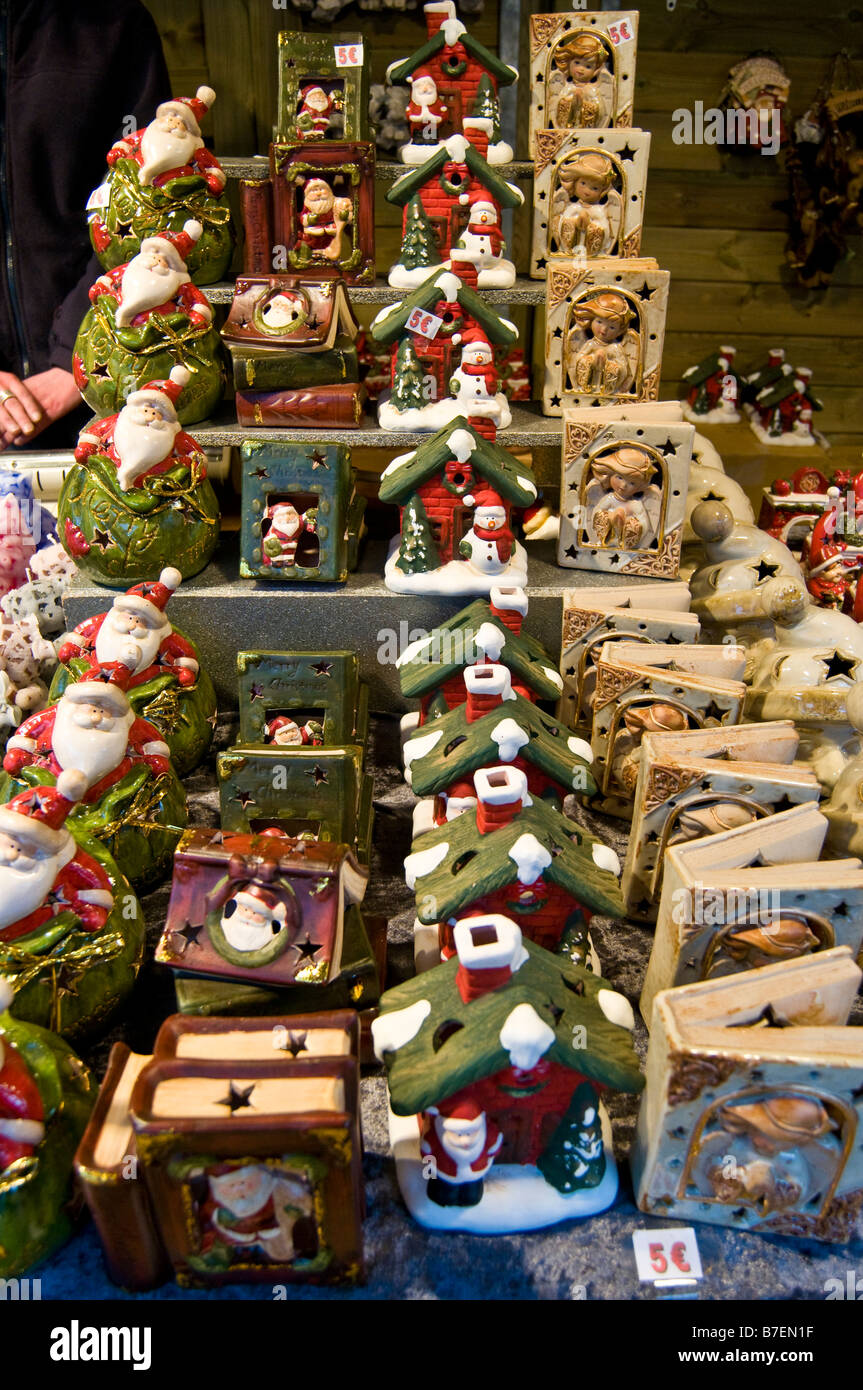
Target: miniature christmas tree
[419,249]
[575,1157]
[417,551]
[487,108]
[407,392]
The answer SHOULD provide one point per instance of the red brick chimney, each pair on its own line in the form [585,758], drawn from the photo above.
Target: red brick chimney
[483,426]
[465,270]
[476,130]
[487,687]
[501,793]
[437,13]
[489,950]
[509,606]
[775,356]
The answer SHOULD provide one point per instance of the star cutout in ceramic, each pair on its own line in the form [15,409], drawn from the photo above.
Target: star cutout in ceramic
[765,569]
[307,948]
[322,668]
[295,1043]
[101,540]
[189,935]
[238,1098]
[318,775]
[318,460]
[839,665]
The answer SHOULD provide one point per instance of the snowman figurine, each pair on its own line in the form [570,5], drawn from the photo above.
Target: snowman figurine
[482,244]
[489,544]
[473,384]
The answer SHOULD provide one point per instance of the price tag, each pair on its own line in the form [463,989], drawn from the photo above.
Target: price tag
[348,55]
[427,325]
[99,198]
[620,33]
[667,1257]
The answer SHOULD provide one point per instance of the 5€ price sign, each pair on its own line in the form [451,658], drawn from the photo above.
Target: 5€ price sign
[427,325]
[667,1257]
[620,32]
[348,55]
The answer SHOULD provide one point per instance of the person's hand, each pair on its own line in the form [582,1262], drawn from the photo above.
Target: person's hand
[33,404]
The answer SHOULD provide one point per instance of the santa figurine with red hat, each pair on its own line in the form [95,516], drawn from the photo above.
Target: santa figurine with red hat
[92,728]
[136,621]
[43,871]
[458,1146]
[22,1113]
[171,146]
[489,544]
[830,565]
[482,244]
[156,281]
[145,438]
[253,917]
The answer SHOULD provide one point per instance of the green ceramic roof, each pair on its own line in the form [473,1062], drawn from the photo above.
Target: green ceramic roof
[411,182]
[399,73]
[451,646]
[513,480]
[390,324]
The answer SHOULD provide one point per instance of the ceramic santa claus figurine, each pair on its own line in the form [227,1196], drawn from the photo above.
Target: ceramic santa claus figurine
[171,146]
[286,531]
[130,782]
[425,114]
[489,544]
[324,221]
[169,160]
[461,1143]
[831,566]
[43,872]
[165,660]
[144,317]
[288,734]
[22,1113]
[482,244]
[473,385]
[140,493]
[313,117]
[252,917]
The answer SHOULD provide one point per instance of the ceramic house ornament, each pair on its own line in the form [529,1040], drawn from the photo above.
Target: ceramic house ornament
[301,513]
[254,1224]
[46,1095]
[454,83]
[700,782]
[625,487]
[751,1110]
[588,195]
[652,688]
[713,388]
[139,496]
[592,617]
[457,492]
[511,1133]
[747,896]
[321,690]
[71,931]
[167,686]
[159,178]
[132,800]
[582,70]
[443,337]
[604,333]
[781,412]
[323,88]
[145,318]
[292,346]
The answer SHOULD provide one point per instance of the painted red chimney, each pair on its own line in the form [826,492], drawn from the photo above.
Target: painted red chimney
[487,687]
[490,951]
[465,270]
[476,131]
[501,793]
[509,606]
[437,14]
[775,356]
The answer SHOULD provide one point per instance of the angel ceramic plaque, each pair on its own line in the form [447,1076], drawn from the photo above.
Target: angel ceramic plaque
[582,70]
[588,195]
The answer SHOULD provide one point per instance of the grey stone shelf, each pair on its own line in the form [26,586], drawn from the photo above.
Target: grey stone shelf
[257,166]
[529,430]
[524,291]
[225,614]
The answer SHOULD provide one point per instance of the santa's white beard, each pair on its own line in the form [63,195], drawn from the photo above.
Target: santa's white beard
[243,1206]
[96,752]
[246,931]
[25,884]
[162,150]
[144,287]
[111,645]
[140,444]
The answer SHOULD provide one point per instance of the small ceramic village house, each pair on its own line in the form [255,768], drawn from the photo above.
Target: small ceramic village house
[707,383]
[452,178]
[431,669]
[518,856]
[495,725]
[458,63]
[490,1033]
[446,472]
[463,312]
[787,404]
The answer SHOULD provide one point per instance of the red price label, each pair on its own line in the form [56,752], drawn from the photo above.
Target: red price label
[427,325]
[348,55]
[620,33]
